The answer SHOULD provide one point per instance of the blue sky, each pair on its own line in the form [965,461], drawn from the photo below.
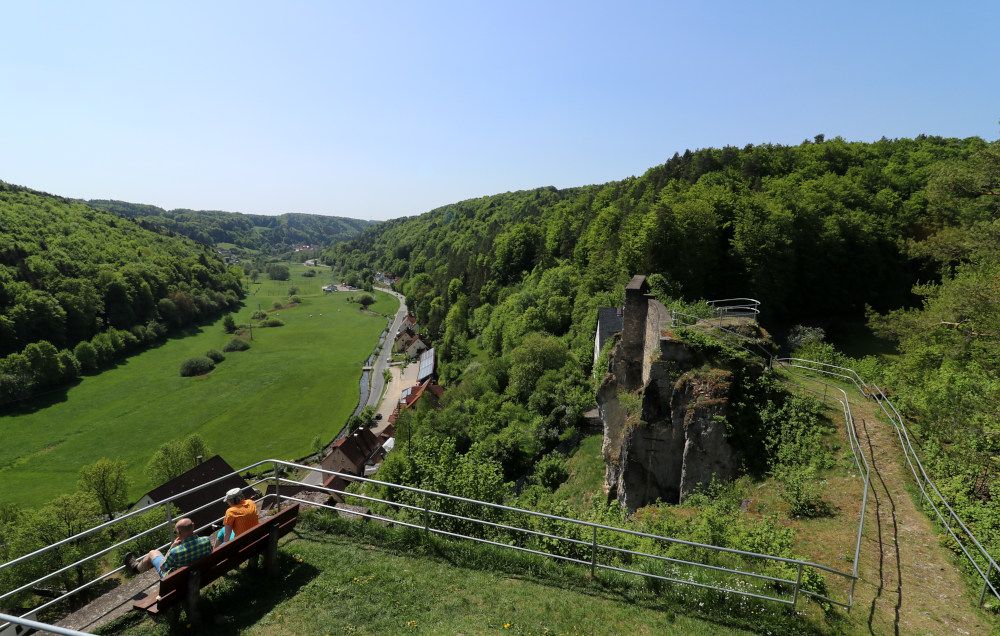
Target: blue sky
[377,110]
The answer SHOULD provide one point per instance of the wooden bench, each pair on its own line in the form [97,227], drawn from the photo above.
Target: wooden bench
[184,584]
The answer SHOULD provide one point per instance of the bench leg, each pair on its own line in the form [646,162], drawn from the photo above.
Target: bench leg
[271,556]
[193,598]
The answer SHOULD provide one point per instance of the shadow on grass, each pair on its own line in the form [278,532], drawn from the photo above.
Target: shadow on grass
[705,605]
[231,605]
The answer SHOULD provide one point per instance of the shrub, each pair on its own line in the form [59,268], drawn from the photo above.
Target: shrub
[215,355]
[198,365]
[273,322]
[365,300]
[236,344]
[228,324]
[87,356]
[277,304]
[309,273]
[294,289]
[295,300]
[550,471]
[802,336]
[260,314]
[799,488]
[277,271]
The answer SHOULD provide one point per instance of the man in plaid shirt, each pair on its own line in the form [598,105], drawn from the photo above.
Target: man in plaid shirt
[185,550]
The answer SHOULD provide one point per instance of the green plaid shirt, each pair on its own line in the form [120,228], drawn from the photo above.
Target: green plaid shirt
[186,552]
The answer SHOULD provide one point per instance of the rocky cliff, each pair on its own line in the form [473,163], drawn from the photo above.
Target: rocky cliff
[665,408]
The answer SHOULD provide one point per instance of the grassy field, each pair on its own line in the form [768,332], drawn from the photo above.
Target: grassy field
[364,579]
[297,382]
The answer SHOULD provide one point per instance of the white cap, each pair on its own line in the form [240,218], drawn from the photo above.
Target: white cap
[233,493]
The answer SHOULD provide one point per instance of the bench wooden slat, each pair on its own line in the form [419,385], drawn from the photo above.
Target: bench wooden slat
[227,557]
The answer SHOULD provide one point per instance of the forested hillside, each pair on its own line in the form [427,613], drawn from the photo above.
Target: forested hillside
[252,231]
[79,287]
[823,233]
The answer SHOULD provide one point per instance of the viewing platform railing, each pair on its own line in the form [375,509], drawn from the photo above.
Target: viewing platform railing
[981,560]
[601,549]
[735,307]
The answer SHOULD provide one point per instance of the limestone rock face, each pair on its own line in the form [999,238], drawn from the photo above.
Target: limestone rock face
[663,412]
[699,406]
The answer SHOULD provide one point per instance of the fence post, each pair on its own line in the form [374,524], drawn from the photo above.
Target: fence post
[168,513]
[426,515]
[798,584]
[986,585]
[194,598]
[593,554]
[277,482]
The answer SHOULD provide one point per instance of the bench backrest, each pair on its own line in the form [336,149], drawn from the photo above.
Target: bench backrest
[227,557]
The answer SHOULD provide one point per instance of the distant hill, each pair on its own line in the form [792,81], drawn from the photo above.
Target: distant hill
[250,231]
[79,287]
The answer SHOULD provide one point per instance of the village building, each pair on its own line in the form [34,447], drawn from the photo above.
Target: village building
[609,323]
[209,498]
[411,395]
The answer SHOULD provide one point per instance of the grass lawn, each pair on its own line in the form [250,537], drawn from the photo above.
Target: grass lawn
[296,383]
[380,582]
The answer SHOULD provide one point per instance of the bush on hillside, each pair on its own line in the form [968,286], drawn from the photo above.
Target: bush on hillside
[295,300]
[236,344]
[260,314]
[215,355]
[273,322]
[277,271]
[277,304]
[309,273]
[199,365]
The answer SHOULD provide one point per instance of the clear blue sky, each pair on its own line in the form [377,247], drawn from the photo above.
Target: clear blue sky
[376,110]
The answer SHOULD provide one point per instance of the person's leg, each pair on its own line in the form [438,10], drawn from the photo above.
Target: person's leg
[157,562]
[149,561]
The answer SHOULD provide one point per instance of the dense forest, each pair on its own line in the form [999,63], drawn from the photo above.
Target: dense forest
[80,287]
[272,234]
[900,233]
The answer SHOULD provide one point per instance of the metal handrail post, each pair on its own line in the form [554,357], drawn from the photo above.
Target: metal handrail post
[168,513]
[426,515]
[798,584]
[593,555]
[986,585]
[277,482]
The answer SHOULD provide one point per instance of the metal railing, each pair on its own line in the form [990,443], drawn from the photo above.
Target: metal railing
[585,552]
[981,560]
[42,627]
[735,307]
[595,546]
[166,506]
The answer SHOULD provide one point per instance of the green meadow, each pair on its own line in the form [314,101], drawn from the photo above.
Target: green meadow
[295,383]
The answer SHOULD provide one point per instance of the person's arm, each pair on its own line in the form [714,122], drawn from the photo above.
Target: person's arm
[168,561]
[226,531]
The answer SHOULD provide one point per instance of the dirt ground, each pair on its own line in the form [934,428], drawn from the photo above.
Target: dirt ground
[915,587]
[402,377]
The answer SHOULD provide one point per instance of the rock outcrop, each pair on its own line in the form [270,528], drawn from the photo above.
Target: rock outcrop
[664,411]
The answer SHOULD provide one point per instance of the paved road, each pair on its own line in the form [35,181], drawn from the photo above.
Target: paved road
[385,356]
[381,364]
